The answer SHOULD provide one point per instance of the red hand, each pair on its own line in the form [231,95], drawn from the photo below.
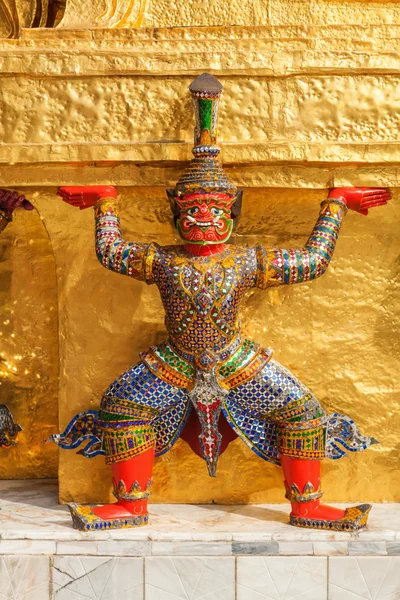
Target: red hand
[10,200]
[85,196]
[361,199]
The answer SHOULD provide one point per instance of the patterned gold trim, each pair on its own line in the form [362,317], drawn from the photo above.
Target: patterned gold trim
[355,518]
[105,204]
[248,371]
[302,443]
[292,410]
[172,376]
[309,494]
[123,442]
[266,275]
[163,371]
[148,263]
[113,408]
[134,494]
[307,425]
[334,206]
[229,350]
[204,263]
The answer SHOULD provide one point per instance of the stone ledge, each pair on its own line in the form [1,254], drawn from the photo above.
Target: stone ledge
[133,175]
[33,523]
[249,155]
[261,50]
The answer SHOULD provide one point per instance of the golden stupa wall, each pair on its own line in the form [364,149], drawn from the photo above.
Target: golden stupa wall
[311,101]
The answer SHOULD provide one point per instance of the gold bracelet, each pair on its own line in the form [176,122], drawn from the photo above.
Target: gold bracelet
[339,203]
[104,204]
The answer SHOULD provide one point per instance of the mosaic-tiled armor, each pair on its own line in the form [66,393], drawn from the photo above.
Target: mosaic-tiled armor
[206,365]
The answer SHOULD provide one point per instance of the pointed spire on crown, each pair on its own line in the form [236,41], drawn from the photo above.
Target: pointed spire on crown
[205,173]
[206,91]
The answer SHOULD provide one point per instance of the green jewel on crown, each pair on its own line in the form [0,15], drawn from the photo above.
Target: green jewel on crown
[206,91]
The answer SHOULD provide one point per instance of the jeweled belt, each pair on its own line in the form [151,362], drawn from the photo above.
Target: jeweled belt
[206,359]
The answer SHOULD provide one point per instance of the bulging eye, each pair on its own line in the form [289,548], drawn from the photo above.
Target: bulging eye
[217,212]
[192,211]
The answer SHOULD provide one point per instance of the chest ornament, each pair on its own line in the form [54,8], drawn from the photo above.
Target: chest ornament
[203,302]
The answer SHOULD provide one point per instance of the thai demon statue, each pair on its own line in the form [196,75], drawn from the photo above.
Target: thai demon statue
[207,383]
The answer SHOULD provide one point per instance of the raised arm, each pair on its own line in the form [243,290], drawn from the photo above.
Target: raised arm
[9,201]
[280,266]
[114,253]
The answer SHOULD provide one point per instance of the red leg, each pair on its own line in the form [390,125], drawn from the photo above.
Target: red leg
[298,474]
[137,469]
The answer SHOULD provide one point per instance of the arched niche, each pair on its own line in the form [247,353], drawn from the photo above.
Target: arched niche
[29,346]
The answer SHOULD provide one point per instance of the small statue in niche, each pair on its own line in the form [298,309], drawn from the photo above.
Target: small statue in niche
[8,429]
[207,383]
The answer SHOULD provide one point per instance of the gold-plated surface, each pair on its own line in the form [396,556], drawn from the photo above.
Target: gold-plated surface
[28,346]
[291,118]
[337,334]
[164,13]
[259,175]
[73,14]
[169,13]
[320,99]
[9,23]
[18,14]
[103,13]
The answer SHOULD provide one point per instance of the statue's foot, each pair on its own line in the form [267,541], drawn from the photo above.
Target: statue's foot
[121,510]
[109,516]
[327,517]
[321,511]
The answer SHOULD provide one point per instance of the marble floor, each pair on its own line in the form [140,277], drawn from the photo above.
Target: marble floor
[190,552]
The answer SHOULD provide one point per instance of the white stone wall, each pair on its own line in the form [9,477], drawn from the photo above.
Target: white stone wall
[200,577]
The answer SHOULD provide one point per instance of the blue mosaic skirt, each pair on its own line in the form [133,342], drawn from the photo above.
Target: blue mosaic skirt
[258,410]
